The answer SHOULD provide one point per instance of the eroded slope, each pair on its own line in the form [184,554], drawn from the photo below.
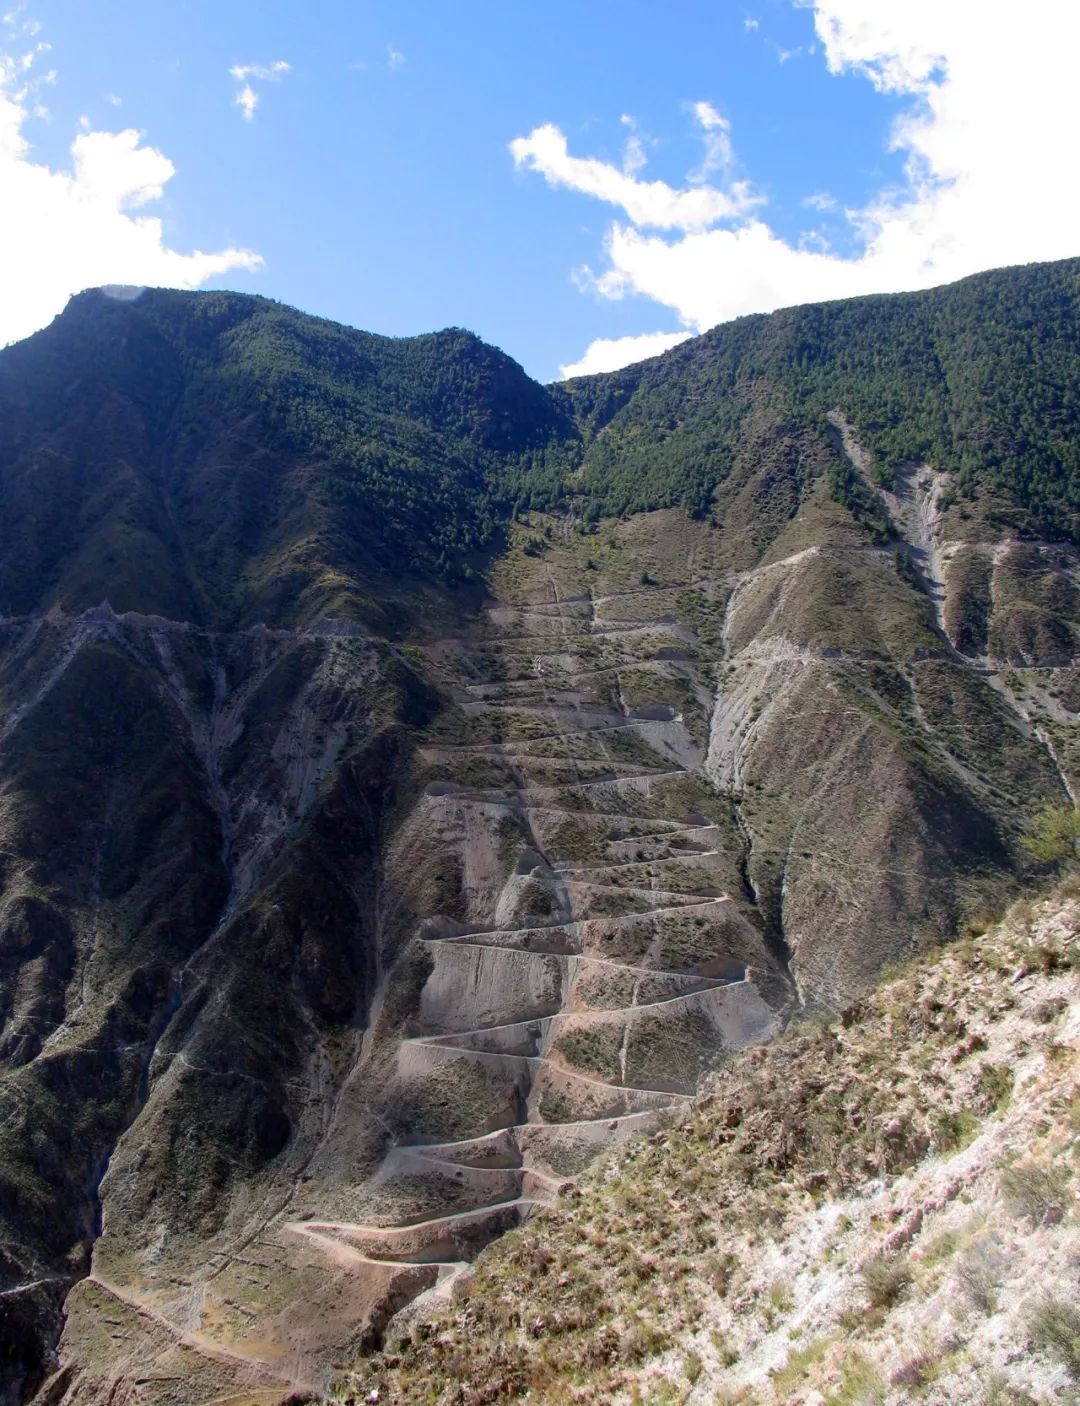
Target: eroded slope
[642,811]
[882,1209]
[568,950]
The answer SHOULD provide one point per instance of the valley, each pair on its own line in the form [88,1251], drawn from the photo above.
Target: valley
[423,786]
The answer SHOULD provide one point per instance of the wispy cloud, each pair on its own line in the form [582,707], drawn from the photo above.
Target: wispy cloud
[982,184]
[821,201]
[634,156]
[652,204]
[785,55]
[716,132]
[394,58]
[83,226]
[15,21]
[246,74]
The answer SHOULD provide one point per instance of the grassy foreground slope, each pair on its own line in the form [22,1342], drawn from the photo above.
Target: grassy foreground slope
[880,1209]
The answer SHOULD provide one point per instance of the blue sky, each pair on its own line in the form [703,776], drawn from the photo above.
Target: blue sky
[376,180]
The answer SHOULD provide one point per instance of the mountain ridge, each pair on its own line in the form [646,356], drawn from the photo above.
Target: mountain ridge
[399,754]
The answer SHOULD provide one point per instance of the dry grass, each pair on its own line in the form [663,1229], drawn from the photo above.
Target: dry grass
[654,1263]
[1034,1189]
[1054,1324]
[886,1280]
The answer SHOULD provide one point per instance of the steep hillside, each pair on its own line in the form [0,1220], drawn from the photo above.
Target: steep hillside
[388,828]
[883,1209]
[224,460]
[978,378]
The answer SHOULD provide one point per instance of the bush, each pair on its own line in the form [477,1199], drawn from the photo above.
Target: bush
[1054,1324]
[861,1384]
[998,1391]
[978,1274]
[1053,834]
[886,1280]
[1030,1188]
[994,1088]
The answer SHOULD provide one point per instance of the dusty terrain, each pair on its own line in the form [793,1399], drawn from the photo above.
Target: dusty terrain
[643,826]
[587,954]
[880,1210]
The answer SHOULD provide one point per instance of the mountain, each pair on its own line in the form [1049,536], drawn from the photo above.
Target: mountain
[416,779]
[878,1209]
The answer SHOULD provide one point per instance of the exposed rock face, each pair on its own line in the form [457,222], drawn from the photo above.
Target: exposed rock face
[350,907]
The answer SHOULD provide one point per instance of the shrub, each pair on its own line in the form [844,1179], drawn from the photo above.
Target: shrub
[994,1087]
[719,1269]
[1053,834]
[797,1367]
[781,1297]
[1054,1324]
[861,1384]
[725,1349]
[1030,1188]
[954,1129]
[998,1391]
[978,1273]
[918,1370]
[886,1280]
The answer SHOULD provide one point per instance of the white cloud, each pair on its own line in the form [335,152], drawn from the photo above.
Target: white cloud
[610,353]
[634,158]
[394,58]
[646,203]
[65,230]
[750,24]
[988,143]
[716,131]
[821,200]
[113,100]
[247,99]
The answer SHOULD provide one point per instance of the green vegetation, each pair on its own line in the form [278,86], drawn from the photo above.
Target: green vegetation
[981,378]
[594,1048]
[1054,833]
[281,448]
[297,462]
